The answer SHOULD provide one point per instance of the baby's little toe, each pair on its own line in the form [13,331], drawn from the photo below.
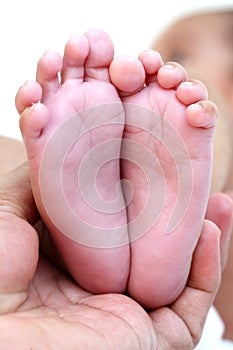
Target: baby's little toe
[202,114]
[32,121]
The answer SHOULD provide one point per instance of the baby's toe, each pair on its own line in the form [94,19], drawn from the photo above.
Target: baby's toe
[151,61]
[101,52]
[202,114]
[171,75]
[191,91]
[32,121]
[76,52]
[49,65]
[127,74]
[27,94]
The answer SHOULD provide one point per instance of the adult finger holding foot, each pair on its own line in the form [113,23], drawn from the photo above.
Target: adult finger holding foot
[42,306]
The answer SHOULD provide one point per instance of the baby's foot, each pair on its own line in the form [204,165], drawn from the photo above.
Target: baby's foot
[167,157]
[57,141]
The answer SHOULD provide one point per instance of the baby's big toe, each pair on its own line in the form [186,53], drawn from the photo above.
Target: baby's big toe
[127,74]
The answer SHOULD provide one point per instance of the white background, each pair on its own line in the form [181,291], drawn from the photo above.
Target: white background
[29,27]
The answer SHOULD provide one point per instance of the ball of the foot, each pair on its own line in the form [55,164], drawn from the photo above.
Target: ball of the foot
[127,73]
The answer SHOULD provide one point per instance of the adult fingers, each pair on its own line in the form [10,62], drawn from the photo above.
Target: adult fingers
[180,325]
[18,239]
[220,211]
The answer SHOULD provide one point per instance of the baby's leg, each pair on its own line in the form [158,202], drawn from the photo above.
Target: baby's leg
[72,131]
[167,158]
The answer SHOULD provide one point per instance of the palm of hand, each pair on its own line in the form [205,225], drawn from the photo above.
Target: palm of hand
[43,308]
[59,314]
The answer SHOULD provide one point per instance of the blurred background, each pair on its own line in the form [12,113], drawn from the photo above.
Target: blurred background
[29,27]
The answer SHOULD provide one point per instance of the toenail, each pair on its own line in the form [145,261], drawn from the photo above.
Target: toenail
[168,66]
[197,106]
[187,83]
[28,82]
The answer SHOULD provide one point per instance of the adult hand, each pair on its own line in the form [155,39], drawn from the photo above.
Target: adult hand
[42,308]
